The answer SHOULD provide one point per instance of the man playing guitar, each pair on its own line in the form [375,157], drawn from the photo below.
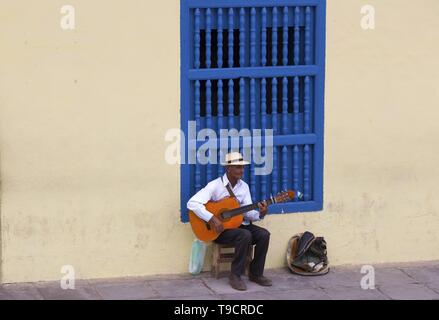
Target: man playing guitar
[247,233]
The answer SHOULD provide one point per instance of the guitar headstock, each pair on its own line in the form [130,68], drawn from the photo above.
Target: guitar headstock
[288,195]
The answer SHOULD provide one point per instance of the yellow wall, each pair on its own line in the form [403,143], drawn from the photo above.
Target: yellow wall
[83,116]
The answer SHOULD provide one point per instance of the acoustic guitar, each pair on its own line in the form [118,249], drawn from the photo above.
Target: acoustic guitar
[228,211]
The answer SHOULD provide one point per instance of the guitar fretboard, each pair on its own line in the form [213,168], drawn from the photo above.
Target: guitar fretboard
[244,209]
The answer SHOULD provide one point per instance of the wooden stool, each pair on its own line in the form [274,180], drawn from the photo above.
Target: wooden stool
[219,256]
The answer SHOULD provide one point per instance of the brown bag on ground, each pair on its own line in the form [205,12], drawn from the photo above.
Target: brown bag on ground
[307,255]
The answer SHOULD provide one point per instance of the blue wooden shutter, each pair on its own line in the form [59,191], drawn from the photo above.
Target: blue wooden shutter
[257,64]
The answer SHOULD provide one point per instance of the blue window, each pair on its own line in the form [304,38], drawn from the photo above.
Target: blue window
[256,64]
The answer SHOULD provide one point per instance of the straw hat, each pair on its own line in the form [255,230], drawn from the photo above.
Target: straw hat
[234,159]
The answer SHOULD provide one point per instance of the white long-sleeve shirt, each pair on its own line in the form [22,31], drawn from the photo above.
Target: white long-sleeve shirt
[216,190]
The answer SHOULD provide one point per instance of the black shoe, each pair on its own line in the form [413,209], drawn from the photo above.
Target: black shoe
[261,280]
[237,283]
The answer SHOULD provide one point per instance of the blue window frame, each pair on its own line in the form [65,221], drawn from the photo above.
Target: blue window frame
[257,64]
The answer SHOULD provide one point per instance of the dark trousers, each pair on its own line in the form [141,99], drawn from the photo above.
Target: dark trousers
[242,237]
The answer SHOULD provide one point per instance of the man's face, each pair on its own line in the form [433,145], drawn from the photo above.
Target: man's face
[236,171]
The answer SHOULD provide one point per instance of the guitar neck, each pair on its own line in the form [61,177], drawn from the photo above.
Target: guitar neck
[244,209]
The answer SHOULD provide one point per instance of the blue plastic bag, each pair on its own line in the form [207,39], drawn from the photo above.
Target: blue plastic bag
[198,253]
